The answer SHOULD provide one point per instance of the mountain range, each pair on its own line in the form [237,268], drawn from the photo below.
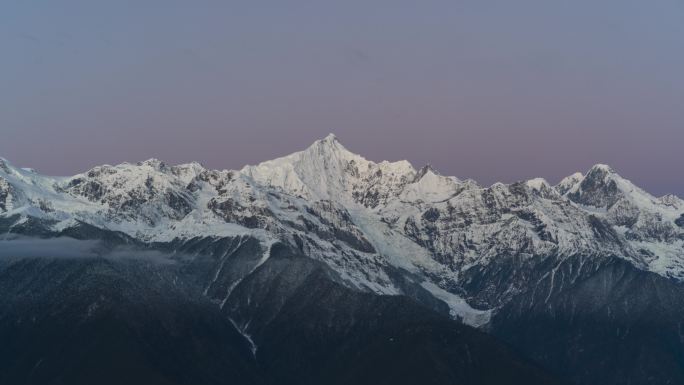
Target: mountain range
[325,267]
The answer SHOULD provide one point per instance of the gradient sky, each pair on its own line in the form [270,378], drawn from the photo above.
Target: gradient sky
[488,89]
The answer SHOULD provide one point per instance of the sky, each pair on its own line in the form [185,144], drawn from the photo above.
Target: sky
[494,90]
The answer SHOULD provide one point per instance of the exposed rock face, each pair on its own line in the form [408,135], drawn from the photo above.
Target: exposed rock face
[5,195]
[366,219]
[680,221]
[482,255]
[598,188]
[149,191]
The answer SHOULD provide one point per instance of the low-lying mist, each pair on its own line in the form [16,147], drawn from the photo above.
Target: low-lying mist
[65,247]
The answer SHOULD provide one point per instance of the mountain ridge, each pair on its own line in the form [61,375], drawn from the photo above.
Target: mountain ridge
[317,242]
[380,217]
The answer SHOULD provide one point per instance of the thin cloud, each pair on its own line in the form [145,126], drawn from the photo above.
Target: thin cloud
[70,248]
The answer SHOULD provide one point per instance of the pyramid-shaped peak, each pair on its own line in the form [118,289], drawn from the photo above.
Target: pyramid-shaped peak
[330,141]
[603,187]
[601,168]
[427,169]
[601,172]
[330,147]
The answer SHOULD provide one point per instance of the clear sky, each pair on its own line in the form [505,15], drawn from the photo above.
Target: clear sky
[488,89]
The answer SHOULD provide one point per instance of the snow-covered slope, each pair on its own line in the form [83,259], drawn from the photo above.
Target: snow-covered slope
[328,171]
[383,227]
[650,225]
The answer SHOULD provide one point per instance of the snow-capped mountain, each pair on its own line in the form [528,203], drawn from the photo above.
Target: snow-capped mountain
[383,227]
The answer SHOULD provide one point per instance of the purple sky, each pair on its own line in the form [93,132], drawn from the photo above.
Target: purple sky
[487,89]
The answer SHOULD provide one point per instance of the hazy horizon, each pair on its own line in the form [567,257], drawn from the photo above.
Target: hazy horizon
[416,166]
